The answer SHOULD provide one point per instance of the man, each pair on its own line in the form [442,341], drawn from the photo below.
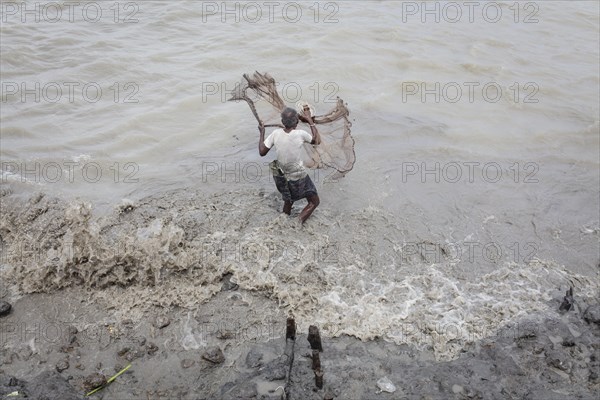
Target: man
[289,172]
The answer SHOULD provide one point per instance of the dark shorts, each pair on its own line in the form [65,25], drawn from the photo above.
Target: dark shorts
[295,190]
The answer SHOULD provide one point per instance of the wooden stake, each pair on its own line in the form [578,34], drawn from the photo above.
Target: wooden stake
[316,360]
[290,332]
[314,338]
[319,378]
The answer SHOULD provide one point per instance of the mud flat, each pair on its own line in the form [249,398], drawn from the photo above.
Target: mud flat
[54,345]
[158,284]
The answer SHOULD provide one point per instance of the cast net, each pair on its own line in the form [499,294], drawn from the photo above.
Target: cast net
[336,150]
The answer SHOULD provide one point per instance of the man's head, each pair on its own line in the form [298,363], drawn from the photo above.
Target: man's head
[289,118]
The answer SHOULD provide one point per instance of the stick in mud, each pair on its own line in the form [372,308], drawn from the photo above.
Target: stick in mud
[290,332]
[316,360]
[319,378]
[314,338]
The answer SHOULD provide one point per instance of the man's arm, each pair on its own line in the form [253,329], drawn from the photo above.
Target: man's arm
[313,129]
[262,149]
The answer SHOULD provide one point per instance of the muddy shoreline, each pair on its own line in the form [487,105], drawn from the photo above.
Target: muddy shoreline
[52,342]
[194,291]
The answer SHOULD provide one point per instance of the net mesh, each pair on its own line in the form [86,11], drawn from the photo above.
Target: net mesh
[336,150]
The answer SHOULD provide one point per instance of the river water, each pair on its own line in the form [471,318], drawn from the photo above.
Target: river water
[476,124]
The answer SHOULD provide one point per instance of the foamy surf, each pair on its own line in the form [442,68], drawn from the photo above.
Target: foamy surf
[173,250]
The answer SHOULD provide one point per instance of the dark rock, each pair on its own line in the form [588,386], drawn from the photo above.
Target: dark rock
[276,371]
[162,322]
[127,323]
[51,386]
[254,358]
[5,308]
[558,360]
[133,354]
[123,351]
[187,363]
[227,284]
[151,348]
[214,355]
[62,365]
[328,395]
[225,335]
[568,301]
[94,381]
[592,314]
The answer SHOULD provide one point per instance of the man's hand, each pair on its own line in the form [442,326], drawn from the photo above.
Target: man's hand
[307,115]
[262,149]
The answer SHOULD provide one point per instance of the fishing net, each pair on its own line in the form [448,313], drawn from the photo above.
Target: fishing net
[336,150]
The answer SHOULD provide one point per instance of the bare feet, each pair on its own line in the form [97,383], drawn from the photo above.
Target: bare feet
[287,207]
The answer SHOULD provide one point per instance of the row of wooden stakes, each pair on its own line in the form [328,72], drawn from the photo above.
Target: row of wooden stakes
[314,338]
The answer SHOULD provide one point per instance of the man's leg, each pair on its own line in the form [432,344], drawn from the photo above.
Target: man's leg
[313,202]
[287,207]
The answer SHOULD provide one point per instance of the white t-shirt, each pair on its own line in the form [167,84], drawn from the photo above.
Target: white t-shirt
[289,151]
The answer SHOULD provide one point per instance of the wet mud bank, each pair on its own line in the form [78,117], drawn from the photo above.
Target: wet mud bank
[58,346]
[193,292]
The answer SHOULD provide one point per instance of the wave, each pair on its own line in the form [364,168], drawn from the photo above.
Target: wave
[349,272]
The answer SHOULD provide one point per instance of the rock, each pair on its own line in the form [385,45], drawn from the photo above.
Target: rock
[557,360]
[568,301]
[123,351]
[592,314]
[254,358]
[62,365]
[385,385]
[227,283]
[51,386]
[133,354]
[5,308]
[276,371]
[214,355]
[187,363]
[130,354]
[151,348]
[225,335]
[127,323]
[328,395]
[456,389]
[93,381]
[161,322]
